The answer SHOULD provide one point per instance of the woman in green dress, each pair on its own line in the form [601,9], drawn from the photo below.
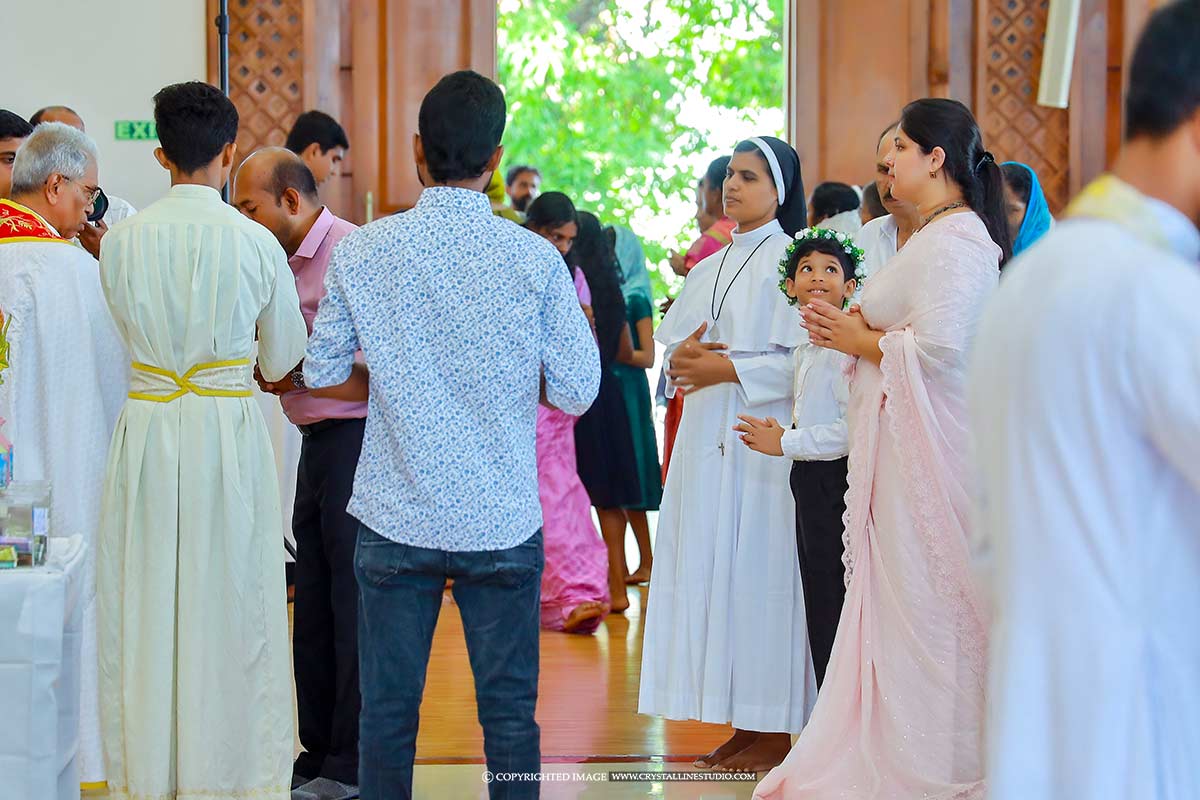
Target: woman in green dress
[636,390]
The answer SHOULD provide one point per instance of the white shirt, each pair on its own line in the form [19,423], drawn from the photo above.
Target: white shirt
[1086,422]
[847,222]
[819,412]
[878,241]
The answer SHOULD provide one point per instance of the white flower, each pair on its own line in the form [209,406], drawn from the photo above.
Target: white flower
[841,237]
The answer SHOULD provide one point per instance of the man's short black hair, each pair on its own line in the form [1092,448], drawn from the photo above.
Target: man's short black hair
[318,127]
[461,123]
[517,171]
[40,114]
[195,121]
[1164,75]
[832,198]
[292,173]
[13,126]
[891,127]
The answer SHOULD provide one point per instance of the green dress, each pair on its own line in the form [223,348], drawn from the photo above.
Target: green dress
[635,388]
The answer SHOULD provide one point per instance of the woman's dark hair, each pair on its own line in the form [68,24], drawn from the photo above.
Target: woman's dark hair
[316,127]
[195,121]
[595,256]
[461,122]
[806,246]
[714,176]
[937,122]
[1164,73]
[831,198]
[1019,180]
[550,210]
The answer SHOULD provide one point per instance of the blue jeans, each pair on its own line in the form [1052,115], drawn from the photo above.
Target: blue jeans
[400,594]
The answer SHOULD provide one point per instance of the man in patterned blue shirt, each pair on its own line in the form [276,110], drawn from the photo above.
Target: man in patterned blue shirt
[465,321]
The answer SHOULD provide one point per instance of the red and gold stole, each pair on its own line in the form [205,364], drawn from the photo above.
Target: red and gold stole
[20,224]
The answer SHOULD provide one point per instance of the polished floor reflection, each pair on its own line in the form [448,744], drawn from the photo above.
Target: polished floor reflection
[587,709]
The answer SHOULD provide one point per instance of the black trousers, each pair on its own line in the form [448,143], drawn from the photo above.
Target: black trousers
[325,633]
[820,491]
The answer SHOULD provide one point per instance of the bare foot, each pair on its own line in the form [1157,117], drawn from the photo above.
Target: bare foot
[736,743]
[768,751]
[582,613]
[620,602]
[641,576]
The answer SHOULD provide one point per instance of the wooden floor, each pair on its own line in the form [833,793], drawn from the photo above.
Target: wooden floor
[587,701]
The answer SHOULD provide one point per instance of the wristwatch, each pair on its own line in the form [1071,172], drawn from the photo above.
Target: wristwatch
[298,379]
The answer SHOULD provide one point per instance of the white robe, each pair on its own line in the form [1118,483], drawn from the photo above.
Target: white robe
[726,638]
[1085,404]
[195,672]
[64,387]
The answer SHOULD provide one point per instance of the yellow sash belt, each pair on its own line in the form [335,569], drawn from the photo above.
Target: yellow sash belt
[212,379]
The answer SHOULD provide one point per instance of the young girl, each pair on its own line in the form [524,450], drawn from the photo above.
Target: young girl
[725,638]
[575,595]
[822,264]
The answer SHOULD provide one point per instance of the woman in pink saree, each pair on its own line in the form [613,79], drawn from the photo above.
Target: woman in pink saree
[575,596]
[900,715]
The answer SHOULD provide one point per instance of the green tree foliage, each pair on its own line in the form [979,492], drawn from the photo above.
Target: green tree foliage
[613,99]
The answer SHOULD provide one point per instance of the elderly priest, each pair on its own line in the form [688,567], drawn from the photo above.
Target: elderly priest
[67,369]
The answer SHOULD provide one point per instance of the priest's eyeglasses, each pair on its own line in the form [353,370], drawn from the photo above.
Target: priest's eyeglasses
[90,193]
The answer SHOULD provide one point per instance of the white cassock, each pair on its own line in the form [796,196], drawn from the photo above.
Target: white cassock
[67,378]
[1085,404]
[195,671]
[726,638]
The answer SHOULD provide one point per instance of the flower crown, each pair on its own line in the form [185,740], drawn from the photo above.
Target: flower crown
[842,240]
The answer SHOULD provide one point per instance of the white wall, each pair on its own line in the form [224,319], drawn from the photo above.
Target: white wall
[105,59]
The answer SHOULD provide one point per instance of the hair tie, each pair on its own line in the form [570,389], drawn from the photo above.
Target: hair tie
[986,158]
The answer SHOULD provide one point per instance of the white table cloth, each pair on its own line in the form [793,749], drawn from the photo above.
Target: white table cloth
[41,622]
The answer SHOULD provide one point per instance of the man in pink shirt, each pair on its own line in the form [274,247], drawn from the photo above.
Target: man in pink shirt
[277,190]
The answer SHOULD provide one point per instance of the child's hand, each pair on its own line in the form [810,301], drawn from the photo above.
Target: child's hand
[761,435]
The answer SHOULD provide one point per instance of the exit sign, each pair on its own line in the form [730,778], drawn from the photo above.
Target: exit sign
[136,130]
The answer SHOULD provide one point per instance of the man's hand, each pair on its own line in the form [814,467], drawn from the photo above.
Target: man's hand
[279,387]
[761,435]
[696,364]
[90,236]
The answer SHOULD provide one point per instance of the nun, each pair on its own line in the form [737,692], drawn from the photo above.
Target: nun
[725,637]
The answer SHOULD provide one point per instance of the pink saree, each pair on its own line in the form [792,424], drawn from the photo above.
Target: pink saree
[576,560]
[901,712]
